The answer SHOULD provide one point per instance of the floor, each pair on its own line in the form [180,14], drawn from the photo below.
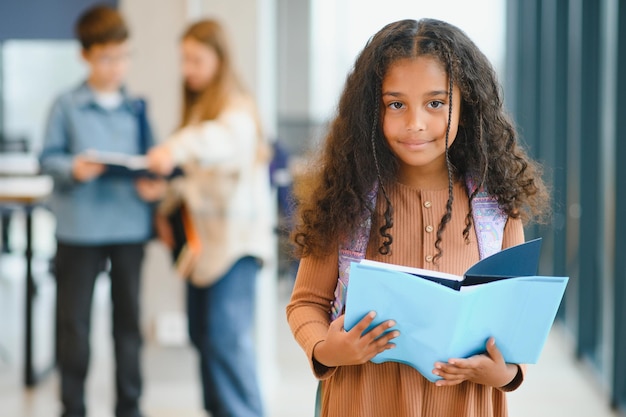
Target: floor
[556,386]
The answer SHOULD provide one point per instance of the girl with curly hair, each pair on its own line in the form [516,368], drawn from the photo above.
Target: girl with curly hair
[421,126]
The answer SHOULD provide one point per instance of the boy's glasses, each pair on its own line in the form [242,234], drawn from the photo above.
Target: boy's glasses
[111,59]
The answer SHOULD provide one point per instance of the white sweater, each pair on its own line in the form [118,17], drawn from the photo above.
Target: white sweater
[227,190]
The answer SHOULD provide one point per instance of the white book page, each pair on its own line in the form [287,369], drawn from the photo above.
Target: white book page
[132,162]
[410,270]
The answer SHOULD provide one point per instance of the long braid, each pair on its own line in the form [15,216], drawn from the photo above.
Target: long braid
[385,248]
[448,215]
[483,175]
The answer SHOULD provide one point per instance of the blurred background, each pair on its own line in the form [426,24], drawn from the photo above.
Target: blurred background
[561,64]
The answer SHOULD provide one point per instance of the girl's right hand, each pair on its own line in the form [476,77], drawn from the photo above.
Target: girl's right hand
[160,160]
[353,347]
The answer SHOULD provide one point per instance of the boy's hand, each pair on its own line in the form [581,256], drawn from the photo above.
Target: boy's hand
[354,348]
[160,160]
[487,369]
[84,170]
[151,189]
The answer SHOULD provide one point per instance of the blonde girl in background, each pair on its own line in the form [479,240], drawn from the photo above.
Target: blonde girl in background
[225,189]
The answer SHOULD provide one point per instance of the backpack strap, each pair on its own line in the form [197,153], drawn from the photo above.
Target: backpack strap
[143,126]
[489,222]
[352,250]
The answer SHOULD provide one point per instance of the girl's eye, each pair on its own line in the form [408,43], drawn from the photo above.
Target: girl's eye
[436,104]
[395,105]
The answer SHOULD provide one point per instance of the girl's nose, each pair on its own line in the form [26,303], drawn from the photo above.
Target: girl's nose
[416,121]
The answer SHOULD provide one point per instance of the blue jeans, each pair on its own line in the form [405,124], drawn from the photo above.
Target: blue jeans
[221,319]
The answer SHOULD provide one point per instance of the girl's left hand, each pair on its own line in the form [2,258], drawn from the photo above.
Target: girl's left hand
[151,190]
[487,369]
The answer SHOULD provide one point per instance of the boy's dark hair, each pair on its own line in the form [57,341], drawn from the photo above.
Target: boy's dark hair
[100,24]
[332,198]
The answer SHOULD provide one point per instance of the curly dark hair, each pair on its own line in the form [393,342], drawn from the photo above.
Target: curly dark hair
[331,198]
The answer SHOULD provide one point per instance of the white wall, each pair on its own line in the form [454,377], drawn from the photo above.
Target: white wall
[156,27]
[294,64]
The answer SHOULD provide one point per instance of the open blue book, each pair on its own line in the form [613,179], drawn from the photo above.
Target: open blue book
[443,316]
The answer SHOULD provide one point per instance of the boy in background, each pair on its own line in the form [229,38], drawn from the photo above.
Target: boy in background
[103,218]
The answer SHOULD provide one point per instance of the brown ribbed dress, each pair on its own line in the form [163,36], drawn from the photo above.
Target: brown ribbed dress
[392,389]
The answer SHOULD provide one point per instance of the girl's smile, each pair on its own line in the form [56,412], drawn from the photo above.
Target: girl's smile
[416,144]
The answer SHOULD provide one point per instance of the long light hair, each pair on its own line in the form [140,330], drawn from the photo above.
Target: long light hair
[208,104]
[224,89]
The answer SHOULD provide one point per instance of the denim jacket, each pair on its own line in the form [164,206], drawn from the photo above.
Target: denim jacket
[106,210]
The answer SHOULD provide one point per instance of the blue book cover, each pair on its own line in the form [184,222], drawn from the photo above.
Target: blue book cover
[500,296]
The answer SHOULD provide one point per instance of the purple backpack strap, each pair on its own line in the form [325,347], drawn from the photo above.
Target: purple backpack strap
[352,250]
[489,222]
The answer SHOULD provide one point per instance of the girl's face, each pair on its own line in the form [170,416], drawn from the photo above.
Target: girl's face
[415,116]
[200,64]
